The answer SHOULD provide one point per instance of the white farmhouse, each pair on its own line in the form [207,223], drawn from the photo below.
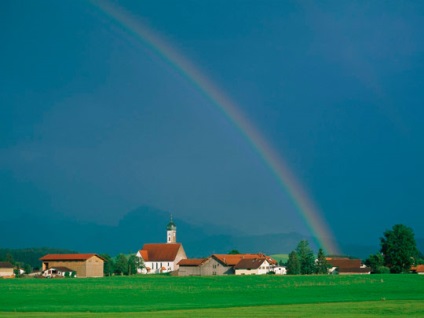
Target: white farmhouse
[253,266]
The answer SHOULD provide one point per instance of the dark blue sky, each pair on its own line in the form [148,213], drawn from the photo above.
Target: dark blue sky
[93,123]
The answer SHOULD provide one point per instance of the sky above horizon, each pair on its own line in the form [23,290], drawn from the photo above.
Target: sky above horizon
[94,122]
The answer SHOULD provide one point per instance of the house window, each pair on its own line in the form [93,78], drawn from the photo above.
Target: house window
[213,273]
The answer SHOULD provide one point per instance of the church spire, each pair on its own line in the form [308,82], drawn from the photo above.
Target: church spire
[171,231]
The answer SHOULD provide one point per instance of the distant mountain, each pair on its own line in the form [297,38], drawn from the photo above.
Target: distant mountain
[148,225]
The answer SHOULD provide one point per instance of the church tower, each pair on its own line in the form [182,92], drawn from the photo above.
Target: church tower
[171,232]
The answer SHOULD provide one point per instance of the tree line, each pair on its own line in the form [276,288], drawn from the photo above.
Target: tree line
[302,261]
[29,257]
[122,264]
[398,252]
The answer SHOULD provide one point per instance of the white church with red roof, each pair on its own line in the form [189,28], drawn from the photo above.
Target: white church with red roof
[163,257]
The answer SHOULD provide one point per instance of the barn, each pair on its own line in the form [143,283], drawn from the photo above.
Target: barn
[347,266]
[191,267]
[6,270]
[85,265]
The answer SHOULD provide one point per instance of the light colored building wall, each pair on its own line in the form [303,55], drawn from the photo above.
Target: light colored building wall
[6,272]
[180,255]
[213,267]
[262,270]
[247,272]
[189,271]
[156,267]
[94,267]
[280,270]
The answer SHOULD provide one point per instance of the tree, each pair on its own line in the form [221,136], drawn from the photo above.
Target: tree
[293,264]
[234,251]
[306,258]
[133,264]
[27,268]
[9,258]
[420,259]
[109,266]
[399,248]
[376,262]
[321,265]
[121,265]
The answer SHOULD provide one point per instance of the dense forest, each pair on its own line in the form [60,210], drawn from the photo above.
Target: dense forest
[30,256]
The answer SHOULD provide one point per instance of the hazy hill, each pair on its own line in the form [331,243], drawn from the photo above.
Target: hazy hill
[148,225]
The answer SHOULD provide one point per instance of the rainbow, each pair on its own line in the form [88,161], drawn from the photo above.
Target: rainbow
[278,166]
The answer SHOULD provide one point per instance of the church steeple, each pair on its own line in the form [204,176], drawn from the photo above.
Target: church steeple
[171,232]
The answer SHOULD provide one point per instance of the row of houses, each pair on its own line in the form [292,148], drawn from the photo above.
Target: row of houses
[171,257]
[230,264]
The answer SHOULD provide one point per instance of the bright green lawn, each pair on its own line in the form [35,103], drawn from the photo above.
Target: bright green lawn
[231,296]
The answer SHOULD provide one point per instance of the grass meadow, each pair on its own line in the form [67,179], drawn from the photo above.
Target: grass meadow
[216,296]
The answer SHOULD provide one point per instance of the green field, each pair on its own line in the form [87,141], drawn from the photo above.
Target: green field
[280,257]
[231,296]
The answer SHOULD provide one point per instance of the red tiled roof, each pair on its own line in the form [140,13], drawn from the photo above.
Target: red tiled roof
[233,259]
[6,265]
[192,261]
[253,263]
[68,257]
[158,252]
[144,254]
[418,268]
[344,262]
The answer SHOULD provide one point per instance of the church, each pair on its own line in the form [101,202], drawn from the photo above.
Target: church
[163,257]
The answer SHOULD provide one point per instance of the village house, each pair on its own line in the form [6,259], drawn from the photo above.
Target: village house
[218,264]
[85,265]
[419,269]
[6,270]
[162,257]
[254,266]
[347,266]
